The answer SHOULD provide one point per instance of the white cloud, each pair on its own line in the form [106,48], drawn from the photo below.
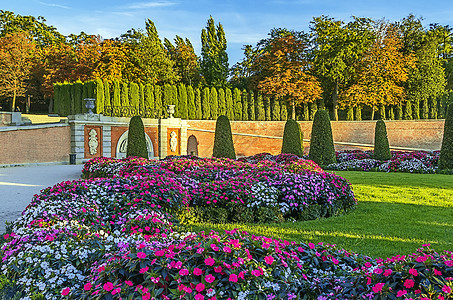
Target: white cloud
[151,4]
[54,5]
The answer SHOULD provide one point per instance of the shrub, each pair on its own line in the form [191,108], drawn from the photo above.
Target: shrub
[381,142]
[322,150]
[223,139]
[136,142]
[446,152]
[292,139]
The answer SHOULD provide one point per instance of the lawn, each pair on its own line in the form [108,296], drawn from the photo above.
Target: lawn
[396,214]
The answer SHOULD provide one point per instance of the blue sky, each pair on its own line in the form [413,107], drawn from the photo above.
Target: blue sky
[244,21]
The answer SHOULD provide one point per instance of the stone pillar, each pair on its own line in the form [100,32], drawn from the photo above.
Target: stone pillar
[172,137]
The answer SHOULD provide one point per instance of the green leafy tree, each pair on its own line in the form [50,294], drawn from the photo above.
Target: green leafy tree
[223,139]
[446,151]
[229,106]
[186,61]
[381,142]
[313,110]
[149,97]
[191,108]
[350,114]
[107,97]
[260,113]
[78,101]
[214,101]
[306,112]
[237,104]
[175,100]
[206,104]
[322,150]
[182,95]
[158,101]
[167,99]
[100,96]
[408,110]
[275,110]
[134,95]
[198,105]
[222,101]
[136,141]
[141,95]
[125,95]
[267,108]
[245,105]
[214,58]
[292,138]
[283,112]
[116,94]
[251,106]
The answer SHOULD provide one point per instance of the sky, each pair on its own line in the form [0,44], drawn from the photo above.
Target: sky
[244,21]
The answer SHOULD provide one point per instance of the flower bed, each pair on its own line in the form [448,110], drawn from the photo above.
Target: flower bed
[106,238]
[411,162]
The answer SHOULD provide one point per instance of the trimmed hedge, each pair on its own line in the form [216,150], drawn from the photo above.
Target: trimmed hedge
[293,139]
[446,151]
[136,142]
[381,142]
[322,150]
[223,140]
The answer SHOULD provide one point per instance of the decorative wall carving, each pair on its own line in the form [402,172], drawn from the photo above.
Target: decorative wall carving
[93,142]
[173,141]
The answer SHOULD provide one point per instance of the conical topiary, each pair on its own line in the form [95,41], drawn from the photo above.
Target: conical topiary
[292,138]
[446,151]
[381,142]
[223,140]
[136,142]
[322,150]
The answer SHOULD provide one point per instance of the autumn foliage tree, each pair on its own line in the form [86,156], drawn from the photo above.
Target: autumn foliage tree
[381,72]
[16,55]
[287,75]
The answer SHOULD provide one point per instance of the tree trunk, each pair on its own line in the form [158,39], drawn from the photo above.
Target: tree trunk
[372,112]
[13,106]
[293,110]
[335,102]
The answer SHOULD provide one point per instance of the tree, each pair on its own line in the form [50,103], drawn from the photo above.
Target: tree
[251,106]
[134,95]
[446,151]
[237,104]
[136,141]
[206,104]
[107,99]
[191,107]
[116,94]
[337,48]
[198,105]
[292,139]
[186,61]
[149,98]
[260,113]
[322,150]
[182,95]
[229,104]
[222,102]
[214,58]
[125,95]
[223,139]
[112,62]
[214,101]
[288,75]
[381,72]
[245,106]
[100,96]
[275,110]
[381,142]
[158,101]
[16,61]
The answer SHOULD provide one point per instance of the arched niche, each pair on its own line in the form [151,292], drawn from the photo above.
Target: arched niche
[121,146]
[192,145]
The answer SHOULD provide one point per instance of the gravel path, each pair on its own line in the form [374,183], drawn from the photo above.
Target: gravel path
[19,184]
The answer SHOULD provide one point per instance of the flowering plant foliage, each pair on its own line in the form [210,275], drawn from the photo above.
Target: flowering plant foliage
[411,162]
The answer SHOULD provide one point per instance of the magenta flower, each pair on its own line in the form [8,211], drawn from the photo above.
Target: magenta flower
[87,286]
[200,287]
[65,291]
[378,287]
[209,261]
[209,278]
[183,272]
[408,283]
[108,286]
[141,255]
[446,289]
[269,260]
[233,278]
[401,293]
[197,271]
[413,272]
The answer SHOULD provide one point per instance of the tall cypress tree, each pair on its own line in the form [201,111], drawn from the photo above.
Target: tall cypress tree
[191,108]
[149,98]
[408,111]
[214,58]
[306,112]
[125,95]
[166,99]
[260,114]
[141,95]
[116,93]
[99,96]
[251,106]
[136,141]
[350,113]
[322,150]
[78,87]
[275,110]
[182,95]
[107,100]
[158,104]
[313,109]
[214,103]
[206,105]
[399,111]
[424,111]
[381,142]
[84,96]
[446,151]
[175,100]
[134,95]
[198,105]
[229,107]
[222,102]
[267,108]
[245,106]
[293,139]
[56,97]
[283,111]
[416,109]
[223,139]
[382,115]
[391,113]
[237,102]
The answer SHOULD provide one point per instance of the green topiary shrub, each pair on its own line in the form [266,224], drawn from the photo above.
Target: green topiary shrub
[446,151]
[292,138]
[381,142]
[223,140]
[136,142]
[322,150]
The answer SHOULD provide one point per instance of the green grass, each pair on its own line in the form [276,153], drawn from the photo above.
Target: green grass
[396,214]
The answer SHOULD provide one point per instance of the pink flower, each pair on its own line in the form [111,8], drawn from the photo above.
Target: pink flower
[209,261]
[87,286]
[269,260]
[413,272]
[143,270]
[311,245]
[199,297]
[146,296]
[437,273]
[218,269]
[65,291]
[401,293]
[227,249]
[197,271]
[377,271]
[108,286]
[141,255]
[209,278]
[129,283]
[183,272]
[200,287]
[159,253]
[408,283]
[256,273]
[387,272]
[116,291]
[233,278]
[446,289]
[378,287]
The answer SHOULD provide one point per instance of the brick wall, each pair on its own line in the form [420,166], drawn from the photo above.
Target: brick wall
[426,134]
[49,144]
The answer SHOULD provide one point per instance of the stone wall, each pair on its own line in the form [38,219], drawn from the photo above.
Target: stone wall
[259,136]
[35,144]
